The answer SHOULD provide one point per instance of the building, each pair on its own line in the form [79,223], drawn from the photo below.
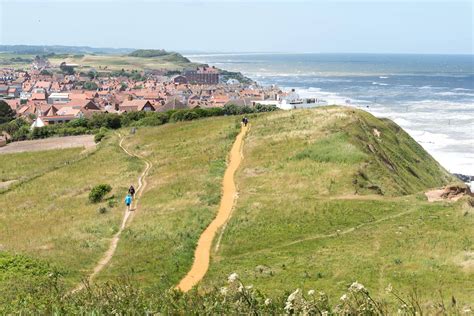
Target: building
[136,105]
[180,80]
[202,75]
[58,98]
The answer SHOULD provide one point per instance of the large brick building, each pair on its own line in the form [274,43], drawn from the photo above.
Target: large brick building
[203,75]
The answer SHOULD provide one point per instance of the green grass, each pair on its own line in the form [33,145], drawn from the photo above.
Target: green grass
[105,62]
[182,197]
[324,202]
[50,218]
[20,166]
[119,62]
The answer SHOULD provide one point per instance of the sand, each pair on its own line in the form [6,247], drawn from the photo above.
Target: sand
[203,249]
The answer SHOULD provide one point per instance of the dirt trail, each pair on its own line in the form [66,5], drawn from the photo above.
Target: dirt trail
[127,218]
[324,236]
[203,249]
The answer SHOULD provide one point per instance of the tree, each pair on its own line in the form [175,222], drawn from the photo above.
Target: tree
[6,112]
[90,85]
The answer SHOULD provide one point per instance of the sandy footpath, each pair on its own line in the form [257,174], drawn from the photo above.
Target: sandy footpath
[86,141]
[203,249]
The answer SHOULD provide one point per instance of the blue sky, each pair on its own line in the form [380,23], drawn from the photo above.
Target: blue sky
[244,26]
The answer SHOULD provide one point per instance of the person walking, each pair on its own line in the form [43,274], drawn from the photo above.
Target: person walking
[131,191]
[128,201]
[245,121]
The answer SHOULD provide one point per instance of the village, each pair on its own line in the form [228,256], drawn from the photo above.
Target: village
[46,94]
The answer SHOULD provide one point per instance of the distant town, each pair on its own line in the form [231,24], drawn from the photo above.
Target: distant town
[45,93]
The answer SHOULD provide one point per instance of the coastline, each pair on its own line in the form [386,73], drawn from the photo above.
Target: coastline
[439,116]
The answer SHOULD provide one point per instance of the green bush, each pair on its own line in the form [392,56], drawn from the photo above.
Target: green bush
[99,136]
[98,192]
[102,210]
[154,119]
[90,85]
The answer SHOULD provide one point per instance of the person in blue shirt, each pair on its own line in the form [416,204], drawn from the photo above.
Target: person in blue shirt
[128,201]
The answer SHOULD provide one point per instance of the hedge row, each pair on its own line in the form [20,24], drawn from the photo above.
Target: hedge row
[19,129]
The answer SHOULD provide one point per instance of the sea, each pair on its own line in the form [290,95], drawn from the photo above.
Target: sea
[430,96]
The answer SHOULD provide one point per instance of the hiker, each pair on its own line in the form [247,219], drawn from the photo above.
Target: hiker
[245,121]
[128,201]
[131,191]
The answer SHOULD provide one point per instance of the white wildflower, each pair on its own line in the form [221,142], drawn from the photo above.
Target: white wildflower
[288,307]
[267,301]
[241,288]
[357,287]
[224,290]
[324,313]
[289,301]
[311,292]
[344,298]
[389,288]
[233,277]
[293,295]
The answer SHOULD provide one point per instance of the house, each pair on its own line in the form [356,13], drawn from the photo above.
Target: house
[46,85]
[13,92]
[86,105]
[58,98]
[180,80]
[14,104]
[172,104]
[136,105]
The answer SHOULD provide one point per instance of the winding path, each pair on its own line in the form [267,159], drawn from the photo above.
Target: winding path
[127,218]
[203,249]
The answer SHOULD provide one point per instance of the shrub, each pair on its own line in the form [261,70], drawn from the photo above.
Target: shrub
[102,210]
[80,122]
[154,119]
[128,118]
[99,136]
[90,85]
[98,192]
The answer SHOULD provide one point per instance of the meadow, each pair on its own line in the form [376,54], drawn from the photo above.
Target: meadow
[22,166]
[119,62]
[327,197]
[324,201]
[105,62]
[181,199]
[49,219]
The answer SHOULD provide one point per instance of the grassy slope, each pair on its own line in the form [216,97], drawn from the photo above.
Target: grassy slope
[181,199]
[50,218]
[311,173]
[112,62]
[118,62]
[34,163]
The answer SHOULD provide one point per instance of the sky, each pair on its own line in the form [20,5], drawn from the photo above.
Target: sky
[397,26]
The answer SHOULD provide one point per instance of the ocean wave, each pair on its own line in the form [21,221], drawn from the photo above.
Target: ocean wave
[383,77]
[379,83]
[450,93]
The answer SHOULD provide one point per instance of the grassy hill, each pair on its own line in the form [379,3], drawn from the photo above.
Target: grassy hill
[103,62]
[326,197]
[324,201]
